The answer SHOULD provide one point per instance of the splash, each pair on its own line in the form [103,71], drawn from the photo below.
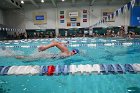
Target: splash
[40,55]
[6,52]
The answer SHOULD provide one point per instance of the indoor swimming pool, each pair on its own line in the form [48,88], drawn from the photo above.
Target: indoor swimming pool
[101,51]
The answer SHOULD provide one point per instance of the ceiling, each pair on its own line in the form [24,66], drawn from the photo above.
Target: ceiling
[7,4]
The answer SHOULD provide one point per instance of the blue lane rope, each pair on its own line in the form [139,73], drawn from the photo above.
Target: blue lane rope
[71,69]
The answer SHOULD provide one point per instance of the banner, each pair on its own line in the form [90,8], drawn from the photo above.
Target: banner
[39,18]
[110,13]
[73,18]
[62,17]
[135,16]
[73,14]
[85,14]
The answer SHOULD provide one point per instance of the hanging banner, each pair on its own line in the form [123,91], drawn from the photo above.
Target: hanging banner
[125,8]
[115,13]
[128,5]
[132,3]
[112,15]
[135,16]
[122,10]
[105,19]
[108,12]
[119,11]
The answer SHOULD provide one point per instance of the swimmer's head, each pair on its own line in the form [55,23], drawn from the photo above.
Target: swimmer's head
[75,51]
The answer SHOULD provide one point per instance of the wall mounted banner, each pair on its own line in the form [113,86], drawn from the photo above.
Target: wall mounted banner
[135,16]
[62,12]
[62,21]
[84,11]
[85,15]
[73,14]
[78,24]
[68,24]
[84,20]
[73,24]
[61,17]
[73,17]
[39,18]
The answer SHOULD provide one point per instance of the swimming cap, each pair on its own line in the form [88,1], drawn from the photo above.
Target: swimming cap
[75,51]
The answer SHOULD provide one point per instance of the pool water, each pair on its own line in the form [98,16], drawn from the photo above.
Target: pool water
[94,51]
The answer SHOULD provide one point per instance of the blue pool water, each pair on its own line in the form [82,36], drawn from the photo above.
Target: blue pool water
[94,51]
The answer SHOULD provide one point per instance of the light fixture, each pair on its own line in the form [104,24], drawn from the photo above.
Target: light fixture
[42,1]
[63,0]
[22,1]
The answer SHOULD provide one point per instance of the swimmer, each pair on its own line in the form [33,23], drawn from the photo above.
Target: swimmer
[64,51]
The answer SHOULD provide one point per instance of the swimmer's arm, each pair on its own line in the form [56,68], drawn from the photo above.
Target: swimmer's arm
[21,57]
[44,47]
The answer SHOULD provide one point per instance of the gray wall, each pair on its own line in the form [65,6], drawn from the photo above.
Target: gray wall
[14,19]
[1,16]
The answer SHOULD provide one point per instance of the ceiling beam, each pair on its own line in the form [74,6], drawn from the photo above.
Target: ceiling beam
[12,3]
[54,3]
[34,3]
[92,2]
